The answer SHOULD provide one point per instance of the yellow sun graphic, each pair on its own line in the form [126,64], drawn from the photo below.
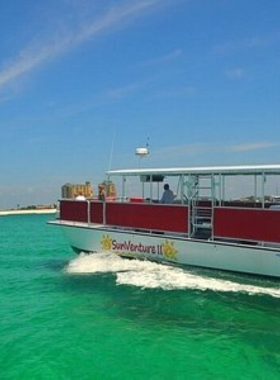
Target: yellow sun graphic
[169,251]
[106,243]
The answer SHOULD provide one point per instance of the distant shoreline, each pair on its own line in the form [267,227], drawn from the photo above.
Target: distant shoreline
[23,212]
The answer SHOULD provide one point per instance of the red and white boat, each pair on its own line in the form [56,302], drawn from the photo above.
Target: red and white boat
[203,227]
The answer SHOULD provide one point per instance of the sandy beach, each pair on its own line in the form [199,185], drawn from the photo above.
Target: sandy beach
[22,212]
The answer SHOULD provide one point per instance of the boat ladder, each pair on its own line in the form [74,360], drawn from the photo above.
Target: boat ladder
[201,208]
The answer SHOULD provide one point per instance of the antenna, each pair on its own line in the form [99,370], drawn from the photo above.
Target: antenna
[112,149]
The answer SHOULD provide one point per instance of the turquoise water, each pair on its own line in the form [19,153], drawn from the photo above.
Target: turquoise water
[102,317]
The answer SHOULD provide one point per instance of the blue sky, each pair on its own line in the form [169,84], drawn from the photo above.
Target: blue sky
[83,83]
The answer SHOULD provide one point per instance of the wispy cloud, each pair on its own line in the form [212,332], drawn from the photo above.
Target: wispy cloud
[247,147]
[255,42]
[235,73]
[183,150]
[164,58]
[29,59]
[4,99]
[199,149]
[108,96]
[175,92]
[32,57]
[118,93]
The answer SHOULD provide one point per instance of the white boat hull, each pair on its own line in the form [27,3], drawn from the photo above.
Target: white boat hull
[173,249]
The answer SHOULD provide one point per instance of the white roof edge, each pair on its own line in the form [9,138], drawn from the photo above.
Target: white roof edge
[225,170]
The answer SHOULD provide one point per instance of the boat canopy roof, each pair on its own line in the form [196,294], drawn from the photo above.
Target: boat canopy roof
[207,170]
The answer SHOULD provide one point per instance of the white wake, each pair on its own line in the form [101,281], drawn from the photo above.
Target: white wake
[146,274]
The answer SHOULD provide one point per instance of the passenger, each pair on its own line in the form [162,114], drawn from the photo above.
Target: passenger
[80,197]
[101,192]
[167,196]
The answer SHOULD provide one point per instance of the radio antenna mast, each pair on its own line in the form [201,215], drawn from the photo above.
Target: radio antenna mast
[112,149]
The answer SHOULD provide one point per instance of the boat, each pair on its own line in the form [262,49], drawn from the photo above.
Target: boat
[203,227]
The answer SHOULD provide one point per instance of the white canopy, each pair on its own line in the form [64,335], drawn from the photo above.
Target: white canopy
[215,170]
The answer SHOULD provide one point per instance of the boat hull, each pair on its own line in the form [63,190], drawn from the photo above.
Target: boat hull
[174,249]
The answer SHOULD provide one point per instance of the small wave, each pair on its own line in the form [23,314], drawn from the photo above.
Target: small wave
[151,275]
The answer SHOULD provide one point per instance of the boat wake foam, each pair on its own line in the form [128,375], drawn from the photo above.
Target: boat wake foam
[151,275]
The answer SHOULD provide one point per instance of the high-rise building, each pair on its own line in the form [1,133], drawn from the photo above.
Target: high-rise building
[71,191]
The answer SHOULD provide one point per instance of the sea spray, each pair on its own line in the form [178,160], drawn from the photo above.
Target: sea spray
[152,275]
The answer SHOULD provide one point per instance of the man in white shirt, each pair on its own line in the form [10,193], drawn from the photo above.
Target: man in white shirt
[167,196]
[80,197]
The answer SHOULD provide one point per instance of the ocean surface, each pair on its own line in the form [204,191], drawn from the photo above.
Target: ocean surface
[64,316]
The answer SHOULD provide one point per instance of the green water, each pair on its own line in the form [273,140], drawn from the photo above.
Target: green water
[63,317]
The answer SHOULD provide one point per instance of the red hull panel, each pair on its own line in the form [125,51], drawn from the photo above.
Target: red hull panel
[134,215]
[248,224]
[147,216]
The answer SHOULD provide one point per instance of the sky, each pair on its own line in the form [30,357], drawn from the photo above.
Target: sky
[83,83]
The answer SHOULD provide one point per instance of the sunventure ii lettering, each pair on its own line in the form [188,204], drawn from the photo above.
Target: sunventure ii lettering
[129,246]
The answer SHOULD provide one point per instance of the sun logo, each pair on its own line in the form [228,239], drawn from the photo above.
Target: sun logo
[106,243]
[169,251]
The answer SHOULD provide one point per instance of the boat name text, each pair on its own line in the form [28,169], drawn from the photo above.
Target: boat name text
[141,248]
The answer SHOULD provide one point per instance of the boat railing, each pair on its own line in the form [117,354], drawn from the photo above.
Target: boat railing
[246,224]
[146,216]
[73,210]
[255,225]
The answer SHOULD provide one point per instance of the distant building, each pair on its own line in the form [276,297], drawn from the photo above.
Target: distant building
[71,191]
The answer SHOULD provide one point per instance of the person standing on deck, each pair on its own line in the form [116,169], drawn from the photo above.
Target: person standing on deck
[167,196]
[80,197]
[101,192]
